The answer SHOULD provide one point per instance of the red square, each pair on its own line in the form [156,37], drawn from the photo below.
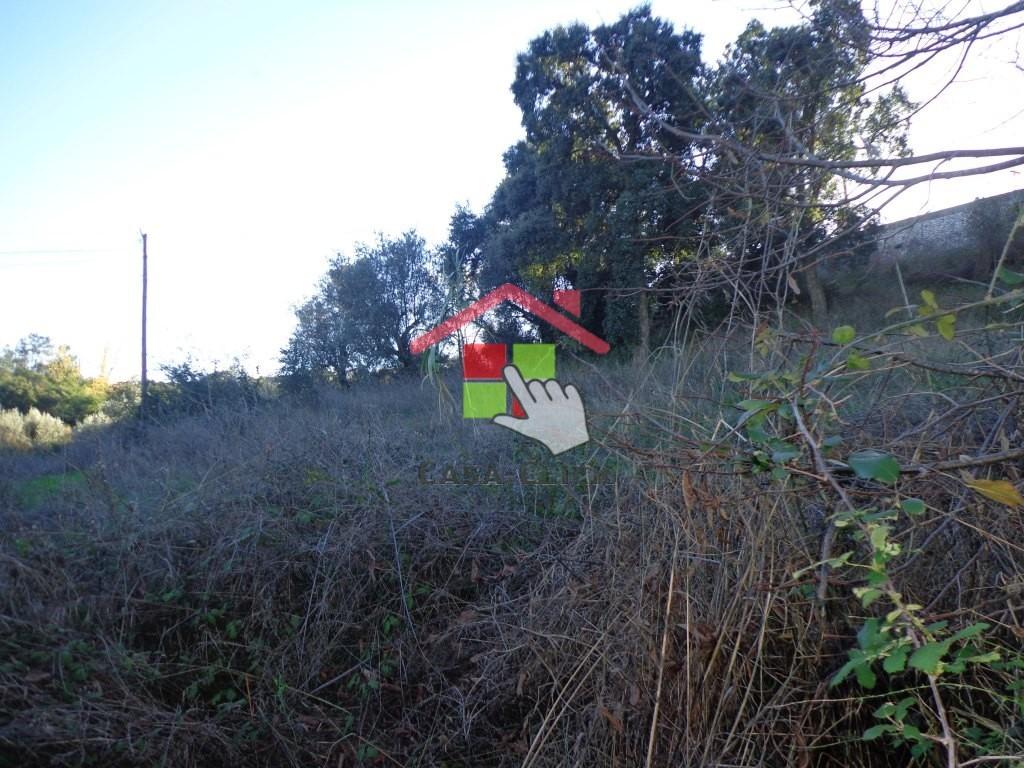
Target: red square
[483,361]
[517,408]
[569,301]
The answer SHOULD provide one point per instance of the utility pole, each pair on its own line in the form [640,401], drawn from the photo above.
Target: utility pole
[145,380]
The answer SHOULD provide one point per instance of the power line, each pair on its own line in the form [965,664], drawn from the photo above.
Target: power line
[60,250]
[39,259]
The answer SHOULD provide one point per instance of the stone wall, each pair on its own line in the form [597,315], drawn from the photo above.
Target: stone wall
[959,242]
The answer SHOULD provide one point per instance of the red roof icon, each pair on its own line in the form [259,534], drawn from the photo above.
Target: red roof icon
[569,300]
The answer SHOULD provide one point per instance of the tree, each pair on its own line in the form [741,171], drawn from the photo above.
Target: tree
[31,352]
[366,312]
[318,351]
[568,207]
[460,258]
[617,189]
[34,375]
[807,140]
[190,390]
[795,90]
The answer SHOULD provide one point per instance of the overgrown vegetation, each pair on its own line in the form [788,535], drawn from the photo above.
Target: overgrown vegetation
[781,552]
[33,375]
[793,539]
[615,192]
[35,429]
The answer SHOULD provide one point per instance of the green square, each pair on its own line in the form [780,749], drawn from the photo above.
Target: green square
[483,399]
[534,361]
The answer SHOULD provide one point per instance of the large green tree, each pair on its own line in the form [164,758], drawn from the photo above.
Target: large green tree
[780,96]
[644,173]
[589,196]
[367,310]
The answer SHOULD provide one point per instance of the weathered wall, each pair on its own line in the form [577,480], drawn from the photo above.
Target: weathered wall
[963,241]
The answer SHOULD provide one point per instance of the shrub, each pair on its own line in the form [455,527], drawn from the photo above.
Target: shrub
[34,429]
[45,430]
[122,400]
[96,420]
[190,390]
[12,430]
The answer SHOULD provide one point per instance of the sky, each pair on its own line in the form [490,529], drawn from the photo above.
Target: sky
[252,141]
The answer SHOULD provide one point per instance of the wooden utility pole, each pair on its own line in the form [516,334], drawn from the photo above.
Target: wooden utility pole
[145,380]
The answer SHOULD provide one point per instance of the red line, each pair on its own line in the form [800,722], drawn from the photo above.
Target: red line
[519,297]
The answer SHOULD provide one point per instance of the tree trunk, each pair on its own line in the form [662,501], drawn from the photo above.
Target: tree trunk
[819,303]
[643,348]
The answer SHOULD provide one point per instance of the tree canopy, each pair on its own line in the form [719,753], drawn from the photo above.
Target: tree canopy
[580,201]
[34,374]
[366,311]
[656,183]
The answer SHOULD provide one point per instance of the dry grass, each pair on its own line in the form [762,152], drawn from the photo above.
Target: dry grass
[278,587]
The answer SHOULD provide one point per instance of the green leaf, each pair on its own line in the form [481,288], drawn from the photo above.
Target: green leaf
[869,635]
[839,562]
[972,631]
[877,577]
[754,406]
[880,515]
[877,730]
[918,330]
[929,299]
[875,465]
[912,506]
[865,676]
[896,661]
[1010,277]
[844,671]
[844,334]
[857,362]
[984,658]
[902,707]
[867,595]
[936,626]
[783,451]
[832,441]
[756,433]
[1011,664]
[737,378]
[946,326]
[922,748]
[955,667]
[928,657]
[879,535]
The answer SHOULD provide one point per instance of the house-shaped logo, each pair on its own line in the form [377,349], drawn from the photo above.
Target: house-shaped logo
[484,390]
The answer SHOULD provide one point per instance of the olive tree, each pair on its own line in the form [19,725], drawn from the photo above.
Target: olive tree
[366,311]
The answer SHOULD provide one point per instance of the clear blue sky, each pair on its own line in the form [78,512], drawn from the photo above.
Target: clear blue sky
[254,140]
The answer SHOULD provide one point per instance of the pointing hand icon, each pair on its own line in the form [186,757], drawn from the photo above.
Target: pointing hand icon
[554,415]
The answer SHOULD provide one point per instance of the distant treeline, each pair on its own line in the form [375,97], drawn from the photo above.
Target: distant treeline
[43,394]
[34,374]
